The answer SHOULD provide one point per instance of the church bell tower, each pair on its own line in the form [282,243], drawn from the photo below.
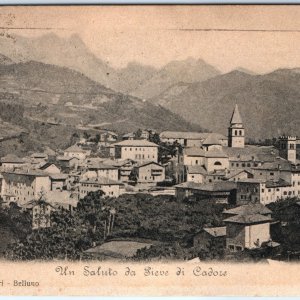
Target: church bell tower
[236,131]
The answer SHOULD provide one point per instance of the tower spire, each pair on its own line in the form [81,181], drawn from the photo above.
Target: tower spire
[236,132]
[236,117]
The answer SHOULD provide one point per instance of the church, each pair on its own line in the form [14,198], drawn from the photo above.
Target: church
[214,161]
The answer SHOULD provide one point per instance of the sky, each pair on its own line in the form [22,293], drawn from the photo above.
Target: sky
[259,38]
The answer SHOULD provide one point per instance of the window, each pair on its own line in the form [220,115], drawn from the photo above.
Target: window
[231,247]
[217,163]
[235,132]
[240,132]
[262,190]
[271,173]
[238,248]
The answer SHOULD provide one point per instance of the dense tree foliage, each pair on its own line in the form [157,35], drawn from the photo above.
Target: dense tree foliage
[69,235]
[171,224]
[11,112]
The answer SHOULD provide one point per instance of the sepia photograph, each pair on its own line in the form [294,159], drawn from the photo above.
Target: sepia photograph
[147,142]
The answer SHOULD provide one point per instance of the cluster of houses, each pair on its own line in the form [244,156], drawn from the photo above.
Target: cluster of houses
[207,166]
[63,178]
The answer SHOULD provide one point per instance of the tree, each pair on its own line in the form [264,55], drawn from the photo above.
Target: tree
[154,138]
[133,176]
[138,133]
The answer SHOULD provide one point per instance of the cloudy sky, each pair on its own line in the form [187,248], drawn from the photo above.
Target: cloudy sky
[259,38]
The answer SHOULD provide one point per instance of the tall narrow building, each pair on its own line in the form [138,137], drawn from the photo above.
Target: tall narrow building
[236,131]
[287,148]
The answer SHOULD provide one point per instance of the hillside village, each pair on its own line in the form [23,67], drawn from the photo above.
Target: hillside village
[246,195]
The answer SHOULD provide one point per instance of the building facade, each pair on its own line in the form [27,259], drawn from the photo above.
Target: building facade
[138,150]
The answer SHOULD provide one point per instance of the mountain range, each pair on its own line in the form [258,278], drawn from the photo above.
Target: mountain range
[269,103]
[135,79]
[49,91]
[53,71]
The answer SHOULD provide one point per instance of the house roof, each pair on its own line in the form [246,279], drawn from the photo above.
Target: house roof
[130,134]
[194,151]
[220,186]
[74,148]
[212,139]
[59,176]
[237,172]
[142,164]
[249,209]
[11,158]
[236,117]
[39,155]
[135,143]
[28,172]
[189,135]
[248,219]
[216,231]
[251,152]
[279,183]
[46,165]
[101,180]
[252,180]
[118,163]
[65,158]
[215,154]
[278,164]
[196,170]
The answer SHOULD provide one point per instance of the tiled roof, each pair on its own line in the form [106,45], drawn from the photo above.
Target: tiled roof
[190,135]
[220,186]
[215,154]
[65,158]
[11,158]
[278,164]
[257,153]
[29,172]
[194,151]
[237,172]
[252,180]
[46,165]
[279,183]
[216,231]
[196,170]
[58,176]
[212,139]
[142,164]
[248,219]
[249,209]
[135,143]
